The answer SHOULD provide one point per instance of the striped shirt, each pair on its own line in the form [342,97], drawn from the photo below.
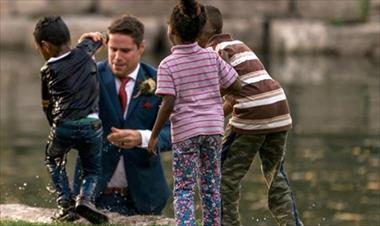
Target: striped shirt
[261,106]
[194,76]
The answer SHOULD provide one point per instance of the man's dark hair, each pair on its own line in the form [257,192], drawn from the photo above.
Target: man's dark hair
[53,30]
[128,25]
[187,19]
[214,17]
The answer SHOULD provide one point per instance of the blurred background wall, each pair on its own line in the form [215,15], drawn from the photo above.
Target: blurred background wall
[279,26]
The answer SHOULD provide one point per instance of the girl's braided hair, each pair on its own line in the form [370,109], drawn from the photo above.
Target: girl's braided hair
[187,19]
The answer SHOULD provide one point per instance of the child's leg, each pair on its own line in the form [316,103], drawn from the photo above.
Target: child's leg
[55,159]
[280,197]
[209,175]
[89,146]
[238,158]
[89,150]
[185,168]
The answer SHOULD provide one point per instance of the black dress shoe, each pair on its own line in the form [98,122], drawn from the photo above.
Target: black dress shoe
[65,215]
[87,210]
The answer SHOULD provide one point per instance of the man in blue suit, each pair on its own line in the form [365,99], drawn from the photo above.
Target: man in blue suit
[132,181]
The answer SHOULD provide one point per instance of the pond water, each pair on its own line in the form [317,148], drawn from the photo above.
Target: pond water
[333,152]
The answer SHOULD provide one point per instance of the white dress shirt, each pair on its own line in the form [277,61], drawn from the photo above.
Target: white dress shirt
[119,178]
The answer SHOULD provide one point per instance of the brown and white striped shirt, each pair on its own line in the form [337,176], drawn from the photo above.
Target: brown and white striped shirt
[261,107]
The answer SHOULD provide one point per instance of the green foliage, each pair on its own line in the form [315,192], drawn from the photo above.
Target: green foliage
[364,8]
[337,22]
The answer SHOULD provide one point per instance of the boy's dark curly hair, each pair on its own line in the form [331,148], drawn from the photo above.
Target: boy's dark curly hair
[187,19]
[53,30]
[128,25]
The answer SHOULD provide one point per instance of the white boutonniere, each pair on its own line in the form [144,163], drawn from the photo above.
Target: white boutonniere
[146,88]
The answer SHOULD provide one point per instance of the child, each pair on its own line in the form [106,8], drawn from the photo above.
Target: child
[259,123]
[70,101]
[188,81]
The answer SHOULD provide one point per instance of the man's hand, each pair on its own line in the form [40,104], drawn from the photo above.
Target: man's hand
[152,145]
[124,138]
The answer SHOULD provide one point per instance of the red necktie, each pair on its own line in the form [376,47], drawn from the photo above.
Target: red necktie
[123,94]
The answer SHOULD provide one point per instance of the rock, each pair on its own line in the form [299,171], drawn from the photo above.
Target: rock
[298,36]
[20,212]
[314,36]
[361,39]
[18,31]
[282,35]
[347,10]
[42,7]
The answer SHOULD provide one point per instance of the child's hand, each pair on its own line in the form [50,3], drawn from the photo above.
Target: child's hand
[95,36]
[152,145]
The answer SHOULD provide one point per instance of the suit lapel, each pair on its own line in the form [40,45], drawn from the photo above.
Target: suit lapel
[109,82]
[134,100]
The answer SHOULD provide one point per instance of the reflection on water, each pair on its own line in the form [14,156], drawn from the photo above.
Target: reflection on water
[333,155]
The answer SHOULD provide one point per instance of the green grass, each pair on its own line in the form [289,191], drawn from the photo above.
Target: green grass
[23,223]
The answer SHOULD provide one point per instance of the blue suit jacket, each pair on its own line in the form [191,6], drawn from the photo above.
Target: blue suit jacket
[146,180]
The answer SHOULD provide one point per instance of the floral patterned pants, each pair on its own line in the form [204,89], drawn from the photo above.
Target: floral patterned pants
[197,159]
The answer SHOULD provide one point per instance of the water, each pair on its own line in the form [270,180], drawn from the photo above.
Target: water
[333,155]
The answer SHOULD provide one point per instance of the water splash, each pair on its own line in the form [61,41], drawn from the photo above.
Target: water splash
[106,146]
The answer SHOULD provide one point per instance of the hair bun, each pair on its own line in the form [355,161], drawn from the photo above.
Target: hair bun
[189,8]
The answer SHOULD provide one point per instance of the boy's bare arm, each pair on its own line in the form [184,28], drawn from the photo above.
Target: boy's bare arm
[224,55]
[228,105]
[234,88]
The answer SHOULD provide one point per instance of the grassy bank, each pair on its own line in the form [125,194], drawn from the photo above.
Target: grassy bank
[23,223]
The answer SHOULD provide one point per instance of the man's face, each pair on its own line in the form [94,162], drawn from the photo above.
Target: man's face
[123,54]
